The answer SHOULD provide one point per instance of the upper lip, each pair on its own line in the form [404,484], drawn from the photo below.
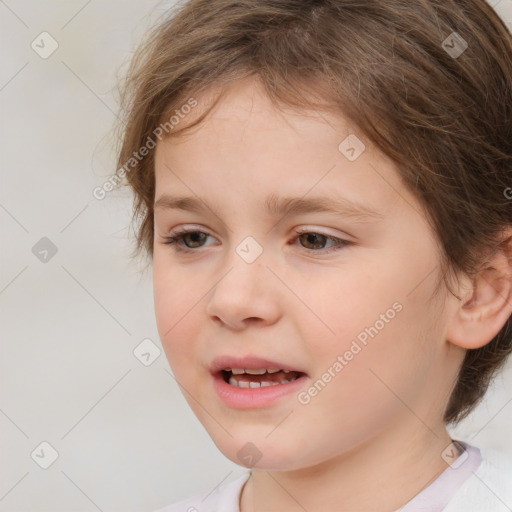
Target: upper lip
[251,362]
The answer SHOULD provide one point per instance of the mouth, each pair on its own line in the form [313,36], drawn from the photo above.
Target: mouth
[258,377]
[254,382]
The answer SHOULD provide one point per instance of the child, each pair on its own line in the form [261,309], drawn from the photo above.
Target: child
[324,189]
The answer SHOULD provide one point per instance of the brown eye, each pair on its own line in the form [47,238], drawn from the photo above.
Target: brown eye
[319,243]
[195,237]
[186,240]
[317,240]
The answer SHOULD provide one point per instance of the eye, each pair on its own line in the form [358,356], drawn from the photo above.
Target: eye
[187,240]
[191,238]
[318,241]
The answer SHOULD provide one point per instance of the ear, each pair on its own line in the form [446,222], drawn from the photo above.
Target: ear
[486,307]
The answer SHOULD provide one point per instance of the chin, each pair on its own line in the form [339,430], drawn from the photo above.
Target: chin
[256,452]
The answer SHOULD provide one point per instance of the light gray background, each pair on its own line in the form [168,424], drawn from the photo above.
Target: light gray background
[125,436]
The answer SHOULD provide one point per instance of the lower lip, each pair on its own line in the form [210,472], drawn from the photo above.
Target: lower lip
[254,398]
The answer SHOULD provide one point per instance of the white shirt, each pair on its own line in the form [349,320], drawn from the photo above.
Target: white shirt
[478,481]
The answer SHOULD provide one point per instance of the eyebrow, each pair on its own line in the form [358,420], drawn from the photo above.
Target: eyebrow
[280,206]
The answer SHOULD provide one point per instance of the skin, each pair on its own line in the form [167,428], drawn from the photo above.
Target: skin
[380,419]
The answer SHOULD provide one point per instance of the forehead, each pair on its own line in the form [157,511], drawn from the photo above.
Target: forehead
[245,108]
[248,147]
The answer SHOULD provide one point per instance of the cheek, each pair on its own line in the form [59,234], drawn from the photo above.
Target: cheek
[369,388]
[176,312]
[350,305]
[383,346]
[165,293]
[376,304]
[175,291]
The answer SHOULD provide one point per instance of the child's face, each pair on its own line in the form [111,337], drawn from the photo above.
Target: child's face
[305,301]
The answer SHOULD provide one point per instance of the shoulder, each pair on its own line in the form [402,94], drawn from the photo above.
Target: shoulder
[226,497]
[489,488]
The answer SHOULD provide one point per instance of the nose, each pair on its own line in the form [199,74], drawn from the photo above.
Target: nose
[246,294]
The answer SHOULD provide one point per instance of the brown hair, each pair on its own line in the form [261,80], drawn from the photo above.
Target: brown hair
[444,118]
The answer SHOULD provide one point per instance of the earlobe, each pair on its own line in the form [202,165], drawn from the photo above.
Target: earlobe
[483,312]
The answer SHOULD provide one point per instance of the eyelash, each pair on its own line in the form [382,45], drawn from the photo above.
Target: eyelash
[174,241]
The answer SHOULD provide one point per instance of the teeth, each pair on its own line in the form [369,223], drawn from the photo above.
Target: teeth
[246,384]
[259,371]
[255,371]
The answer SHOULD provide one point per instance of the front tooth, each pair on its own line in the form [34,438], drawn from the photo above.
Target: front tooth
[252,371]
[244,384]
[272,370]
[254,384]
[237,371]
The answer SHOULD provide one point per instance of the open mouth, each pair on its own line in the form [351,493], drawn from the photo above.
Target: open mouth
[258,378]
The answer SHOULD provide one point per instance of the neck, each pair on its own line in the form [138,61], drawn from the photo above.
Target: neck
[382,474]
